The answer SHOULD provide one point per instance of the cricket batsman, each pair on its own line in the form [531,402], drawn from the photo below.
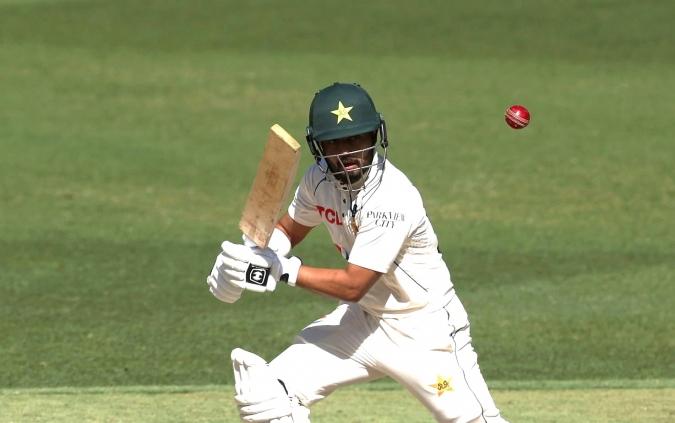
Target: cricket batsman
[398,314]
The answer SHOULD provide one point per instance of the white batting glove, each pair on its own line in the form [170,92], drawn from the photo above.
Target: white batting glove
[279,242]
[238,268]
[241,267]
[284,269]
[257,269]
[220,285]
[246,268]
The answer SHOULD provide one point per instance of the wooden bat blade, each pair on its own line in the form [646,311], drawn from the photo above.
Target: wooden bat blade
[272,183]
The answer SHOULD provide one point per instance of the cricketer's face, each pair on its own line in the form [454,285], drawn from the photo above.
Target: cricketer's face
[348,157]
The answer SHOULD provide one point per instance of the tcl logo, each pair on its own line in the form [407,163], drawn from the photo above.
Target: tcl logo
[330,215]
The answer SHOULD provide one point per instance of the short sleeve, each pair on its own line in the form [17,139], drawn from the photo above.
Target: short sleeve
[381,235]
[303,207]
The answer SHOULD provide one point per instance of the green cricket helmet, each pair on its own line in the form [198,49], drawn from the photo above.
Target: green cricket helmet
[340,111]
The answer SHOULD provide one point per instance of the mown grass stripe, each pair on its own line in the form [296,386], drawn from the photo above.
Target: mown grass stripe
[375,386]
[583,384]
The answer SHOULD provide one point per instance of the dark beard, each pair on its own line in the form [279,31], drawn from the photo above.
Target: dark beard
[356,176]
[350,178]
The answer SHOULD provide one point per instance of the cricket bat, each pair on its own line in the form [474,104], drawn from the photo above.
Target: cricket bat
[272,183]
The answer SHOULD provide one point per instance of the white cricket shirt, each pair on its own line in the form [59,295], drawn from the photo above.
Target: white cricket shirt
[393,236]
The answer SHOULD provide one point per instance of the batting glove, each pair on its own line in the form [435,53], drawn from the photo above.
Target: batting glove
[279,242]
[221,285]
[284,269]
[252,268]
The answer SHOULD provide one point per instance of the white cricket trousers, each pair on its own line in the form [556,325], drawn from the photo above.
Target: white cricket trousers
[429,353]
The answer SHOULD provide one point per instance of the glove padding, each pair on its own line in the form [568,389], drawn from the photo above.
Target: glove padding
[233,267]
[241,267]
[220,285]
[260,396]
[228,288]
[279,242]
[284,269]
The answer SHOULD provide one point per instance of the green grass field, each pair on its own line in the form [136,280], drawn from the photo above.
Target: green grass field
[130,133]
[647,402]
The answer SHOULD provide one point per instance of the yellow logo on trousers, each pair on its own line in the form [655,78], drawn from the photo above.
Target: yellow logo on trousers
[442,385]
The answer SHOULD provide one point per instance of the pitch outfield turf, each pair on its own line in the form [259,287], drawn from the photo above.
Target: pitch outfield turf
[129,134]
[374,403]
[615,401]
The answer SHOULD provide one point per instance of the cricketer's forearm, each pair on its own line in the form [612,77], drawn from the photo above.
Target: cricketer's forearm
[348,284]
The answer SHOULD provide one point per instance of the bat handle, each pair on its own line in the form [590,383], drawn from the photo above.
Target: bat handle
[248,241]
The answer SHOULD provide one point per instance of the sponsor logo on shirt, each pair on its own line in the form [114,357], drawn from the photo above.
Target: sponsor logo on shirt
[385,219]
[330,215]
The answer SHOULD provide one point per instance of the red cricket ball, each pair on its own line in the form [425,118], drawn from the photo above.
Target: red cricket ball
[517,116]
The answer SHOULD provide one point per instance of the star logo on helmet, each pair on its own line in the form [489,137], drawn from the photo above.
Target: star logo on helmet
[342,112]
